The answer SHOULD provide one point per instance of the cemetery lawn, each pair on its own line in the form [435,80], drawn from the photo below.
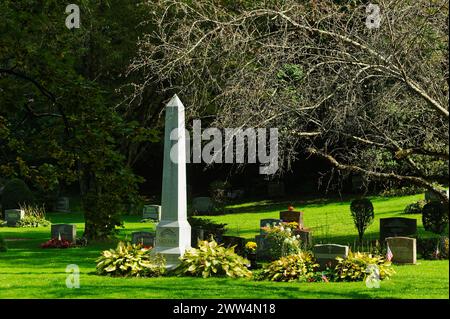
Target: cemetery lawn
[27,271]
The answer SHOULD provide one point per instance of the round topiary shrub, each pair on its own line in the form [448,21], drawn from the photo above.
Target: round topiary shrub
[435,217]
[362,214]
[16,193]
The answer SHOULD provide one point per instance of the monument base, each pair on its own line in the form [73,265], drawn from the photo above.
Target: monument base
[172,240]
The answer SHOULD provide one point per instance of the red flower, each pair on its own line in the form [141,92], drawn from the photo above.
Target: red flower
[56,243]
[290,208]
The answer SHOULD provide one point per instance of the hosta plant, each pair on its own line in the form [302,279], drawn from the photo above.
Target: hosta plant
[298,267]
[129,260]
[355,267]
[212,259]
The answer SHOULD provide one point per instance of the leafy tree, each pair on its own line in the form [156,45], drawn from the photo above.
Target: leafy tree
[60,121]
[362,214]
[370,101]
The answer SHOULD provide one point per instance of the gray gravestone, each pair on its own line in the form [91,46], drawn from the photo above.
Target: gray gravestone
[144,238]
[202,205]
[326,254]
[403,249]
[12,216]
[62,205]
[292,216]
[151,212]
[262,248]
[397,226]
[267,221]
[305,236]
[66,231]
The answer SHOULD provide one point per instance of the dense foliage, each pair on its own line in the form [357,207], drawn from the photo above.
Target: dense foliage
[129,260]
[435,217]
[355,267]
[34,216]
[212,259]
[60,122]
[296,267]
[281,240]
[433,248]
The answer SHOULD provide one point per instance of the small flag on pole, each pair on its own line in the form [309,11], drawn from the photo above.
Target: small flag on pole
[389,254]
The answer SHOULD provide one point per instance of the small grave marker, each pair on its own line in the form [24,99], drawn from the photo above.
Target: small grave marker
[326,254]
[12,216]
[66,231]
[144,238]
[151,212]
[404,249]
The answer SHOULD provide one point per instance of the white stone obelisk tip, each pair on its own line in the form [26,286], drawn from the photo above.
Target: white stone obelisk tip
[175,102]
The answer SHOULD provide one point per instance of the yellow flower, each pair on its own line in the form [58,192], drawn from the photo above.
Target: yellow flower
[251,245]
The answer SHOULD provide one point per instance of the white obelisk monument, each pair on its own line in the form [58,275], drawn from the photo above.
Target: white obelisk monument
[173,233]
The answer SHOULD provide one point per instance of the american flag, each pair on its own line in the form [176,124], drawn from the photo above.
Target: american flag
[389,254]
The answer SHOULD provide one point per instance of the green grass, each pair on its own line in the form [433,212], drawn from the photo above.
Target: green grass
[27,271]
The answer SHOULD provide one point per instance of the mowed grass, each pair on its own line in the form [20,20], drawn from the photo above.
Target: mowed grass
[27,271]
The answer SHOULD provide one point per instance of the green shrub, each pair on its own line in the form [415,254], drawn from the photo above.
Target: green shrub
[212,259]
[3,246]
[355,266]
[435,217]
[281,240]
[16,193]
[362,214]
[34,217]
[433,248]
[129,260]
[298,267]
[414,208]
